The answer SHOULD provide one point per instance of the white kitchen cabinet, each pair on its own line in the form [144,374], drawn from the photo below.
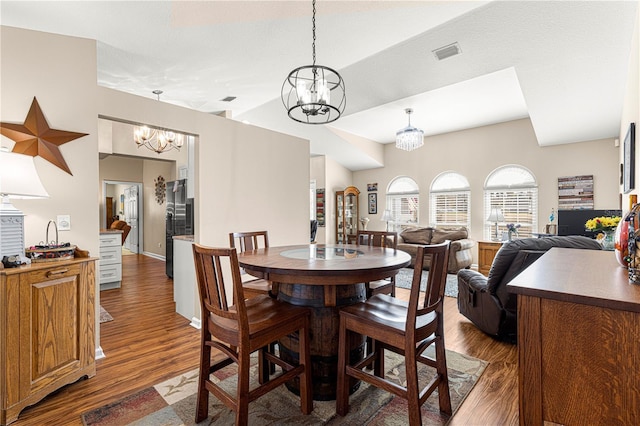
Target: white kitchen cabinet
[110,259]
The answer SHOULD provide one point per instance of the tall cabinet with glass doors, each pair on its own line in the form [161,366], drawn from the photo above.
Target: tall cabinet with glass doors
[347,215]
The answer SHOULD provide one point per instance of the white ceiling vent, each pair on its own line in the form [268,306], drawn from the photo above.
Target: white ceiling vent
[228,99]
[448,51]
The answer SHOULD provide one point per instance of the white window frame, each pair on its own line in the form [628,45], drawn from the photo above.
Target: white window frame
[514,190]
[450,199]
[403,200]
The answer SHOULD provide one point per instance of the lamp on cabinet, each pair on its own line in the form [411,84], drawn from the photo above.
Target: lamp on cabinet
[18,179]
[387,217]
[496,216]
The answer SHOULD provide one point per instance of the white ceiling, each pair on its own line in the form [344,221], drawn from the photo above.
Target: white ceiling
[562,63]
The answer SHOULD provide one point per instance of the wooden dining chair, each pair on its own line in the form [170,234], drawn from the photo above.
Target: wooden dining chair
[247,241]
[239,330]
[379,239]
[404,328]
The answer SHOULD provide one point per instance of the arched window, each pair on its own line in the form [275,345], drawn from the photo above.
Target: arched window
[403,200]
[512,189]
[450,200]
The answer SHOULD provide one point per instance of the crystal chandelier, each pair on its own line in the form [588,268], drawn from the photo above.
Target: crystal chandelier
[314,94]
[157,140]
[409,138]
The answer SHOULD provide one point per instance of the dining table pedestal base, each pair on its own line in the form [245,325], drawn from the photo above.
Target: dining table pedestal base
[325,324]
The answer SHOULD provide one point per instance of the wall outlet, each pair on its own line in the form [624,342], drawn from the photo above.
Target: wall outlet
[159,245]
[63,222]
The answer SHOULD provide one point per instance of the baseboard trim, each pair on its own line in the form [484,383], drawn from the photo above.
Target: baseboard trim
[195,323]
[155,256]
[99,353]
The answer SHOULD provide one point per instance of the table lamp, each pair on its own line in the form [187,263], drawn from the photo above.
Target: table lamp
[18,179]
[386,217]
[496,216]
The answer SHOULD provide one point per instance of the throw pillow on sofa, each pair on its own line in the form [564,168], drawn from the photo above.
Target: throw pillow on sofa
[416,235]
[453,234]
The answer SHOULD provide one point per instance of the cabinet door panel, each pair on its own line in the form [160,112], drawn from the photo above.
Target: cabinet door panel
[55,325]
[56,297]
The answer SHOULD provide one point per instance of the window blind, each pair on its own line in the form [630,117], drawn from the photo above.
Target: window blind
[451,208]
[519,206]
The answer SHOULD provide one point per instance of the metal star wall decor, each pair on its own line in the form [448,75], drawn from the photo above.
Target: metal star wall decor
[35,137]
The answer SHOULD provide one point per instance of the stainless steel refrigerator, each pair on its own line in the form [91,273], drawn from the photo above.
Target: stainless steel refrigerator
[179,217]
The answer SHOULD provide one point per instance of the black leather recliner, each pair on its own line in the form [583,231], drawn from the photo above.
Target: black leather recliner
[486,301]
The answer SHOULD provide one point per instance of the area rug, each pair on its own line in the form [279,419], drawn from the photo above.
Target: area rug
[104,315]
[405,276]
[173,402]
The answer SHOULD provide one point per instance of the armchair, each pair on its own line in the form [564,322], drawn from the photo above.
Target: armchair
[485,300]
[123,226]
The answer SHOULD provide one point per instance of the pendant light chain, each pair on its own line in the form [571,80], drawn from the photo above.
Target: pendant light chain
[313,26]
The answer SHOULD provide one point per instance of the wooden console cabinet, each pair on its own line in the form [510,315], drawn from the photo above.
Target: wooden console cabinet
[578,351]
[486,253]
[47,330]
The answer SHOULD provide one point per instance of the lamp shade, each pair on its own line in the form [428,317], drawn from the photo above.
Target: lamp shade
[19,177]
[495,216]
[386,216]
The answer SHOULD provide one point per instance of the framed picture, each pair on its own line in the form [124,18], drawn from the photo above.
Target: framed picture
[372,187]
[320,206]
[373,203]
[629,164]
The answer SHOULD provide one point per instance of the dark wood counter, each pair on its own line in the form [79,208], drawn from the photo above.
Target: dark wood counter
[578,330]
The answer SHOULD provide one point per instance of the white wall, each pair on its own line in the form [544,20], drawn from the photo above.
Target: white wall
[154,213]
[475,153]
[631,108]
[61,73]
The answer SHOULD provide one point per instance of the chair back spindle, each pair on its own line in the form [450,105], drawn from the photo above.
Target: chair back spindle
[433,296]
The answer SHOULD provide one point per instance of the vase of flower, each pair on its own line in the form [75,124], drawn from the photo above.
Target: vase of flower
[605,228]
[512,230]
[608,240]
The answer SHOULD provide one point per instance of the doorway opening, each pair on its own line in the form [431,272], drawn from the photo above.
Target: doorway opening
[123,201]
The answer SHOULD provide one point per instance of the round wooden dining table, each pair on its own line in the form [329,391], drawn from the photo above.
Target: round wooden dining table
[323,277]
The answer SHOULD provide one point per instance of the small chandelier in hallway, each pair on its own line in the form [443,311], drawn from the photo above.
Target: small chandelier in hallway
[157,140]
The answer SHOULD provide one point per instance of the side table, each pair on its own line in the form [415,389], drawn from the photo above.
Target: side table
[486,252]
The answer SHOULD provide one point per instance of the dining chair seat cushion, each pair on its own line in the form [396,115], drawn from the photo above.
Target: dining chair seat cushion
[262,313]
[387,312]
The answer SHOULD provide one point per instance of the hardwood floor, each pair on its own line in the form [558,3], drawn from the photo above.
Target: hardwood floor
[148,342]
